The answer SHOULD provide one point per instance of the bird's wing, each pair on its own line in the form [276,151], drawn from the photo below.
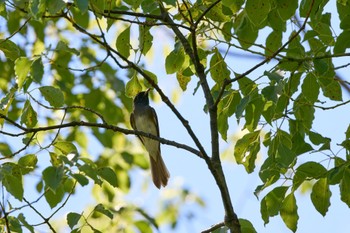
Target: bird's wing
[155,119]
[133,125]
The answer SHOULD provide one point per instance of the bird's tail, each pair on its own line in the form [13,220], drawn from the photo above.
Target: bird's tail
[160,173]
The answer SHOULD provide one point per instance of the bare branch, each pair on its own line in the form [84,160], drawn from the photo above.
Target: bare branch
[214,227]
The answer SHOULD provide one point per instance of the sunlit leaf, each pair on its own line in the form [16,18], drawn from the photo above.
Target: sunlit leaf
[22,67]
[52,95]
[109,175]
[289,212]
[321,195]
[52,177]
[123,43]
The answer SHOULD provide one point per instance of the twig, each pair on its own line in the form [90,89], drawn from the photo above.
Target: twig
[214,227]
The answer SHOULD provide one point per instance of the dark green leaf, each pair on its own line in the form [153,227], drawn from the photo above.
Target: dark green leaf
[52,177]
[108,174]
[82,180]
[272,202]
[101,209]
[257,10]
[273,43]
[10,49]
[342,42]
[145,38]
[246,226]
[23,221]
[245,31]
[310,88]
[286,8]
[27,163]
[72,219]
[14,224]
[53,198]
[63,47]
[52,95]
[37,70]
[83,5]
[320,196]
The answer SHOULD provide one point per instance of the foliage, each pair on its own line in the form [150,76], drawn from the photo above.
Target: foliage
[69,71]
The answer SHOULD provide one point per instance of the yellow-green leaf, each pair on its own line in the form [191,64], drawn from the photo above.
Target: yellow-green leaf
[52,95]
[123,43]
[22,67]
[289,212]
[320,196]
[133,87]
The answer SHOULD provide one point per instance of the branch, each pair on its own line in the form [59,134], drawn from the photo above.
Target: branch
[214,227]
[108,127]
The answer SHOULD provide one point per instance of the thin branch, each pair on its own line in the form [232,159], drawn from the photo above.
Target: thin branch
[108,127]
[17,31]
[332,107]
[214,227]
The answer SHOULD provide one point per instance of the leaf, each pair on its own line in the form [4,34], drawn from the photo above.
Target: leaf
[123,43]
[246,150]
[52,95]
[55,6]
[271,204]
[29,116]
[53,177]
[218,68]
[286,8]
[182,79]
[22,67]
[320,196]
[143,226]
[14,224]
[82,180]
[22,219]
[53,198]
[145,38]
[101,209]
[257,10]
[342,42]
[83,5]
[133,87]
[310,88]
[109,175]
[73,219]
[28,163]
[273,43]
[345,187]
[289,213]
[5,103]
[175,60]
[10,49]
[246,226]
[308,170]
[66,147]
[332,90]
[246,32]
[63,47]
[37,70]
[14,185]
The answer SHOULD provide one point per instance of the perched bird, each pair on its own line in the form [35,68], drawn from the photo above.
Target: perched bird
[144,118]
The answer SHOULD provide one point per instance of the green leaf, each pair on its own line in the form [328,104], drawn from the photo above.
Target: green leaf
[83,5]
[63,47]
[14,185]
[66,147]
[5,150]
[14,224]
[37,70]
[175,60]
[53,198]
[55,6]
[273,43]
[145,38]
[10,49]
[183,79]
[246,226]
[53,177]
[320,196]
[310,88]
[73,219]
[123,43]
[82,180]
[257,10]
[271,204]
[152,76]
[101,209]
[308,170]
[218,68]
[246,150]
[345,187]
[109,175]
[29,116]
[253,113]
[143,226]
[342,42]
[28,163]
[52,95]
[286,8]
[332,89]
[289,213]
[22,67]
[23,221]
[133,87]
[245,31]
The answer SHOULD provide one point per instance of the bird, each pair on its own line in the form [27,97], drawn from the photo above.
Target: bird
[144,118]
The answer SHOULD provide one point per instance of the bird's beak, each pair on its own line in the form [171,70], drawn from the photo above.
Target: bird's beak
[148,90]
